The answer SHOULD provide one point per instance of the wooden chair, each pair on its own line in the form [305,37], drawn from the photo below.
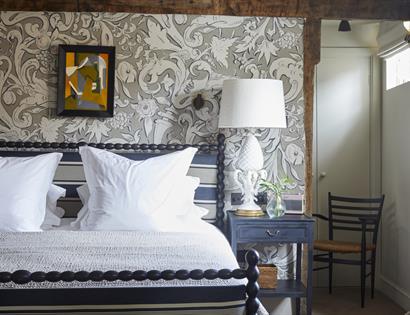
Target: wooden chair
[351,214]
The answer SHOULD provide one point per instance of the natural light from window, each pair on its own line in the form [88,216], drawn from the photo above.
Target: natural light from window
[398,69]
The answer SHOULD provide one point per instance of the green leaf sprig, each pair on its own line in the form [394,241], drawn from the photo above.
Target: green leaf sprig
[277,188]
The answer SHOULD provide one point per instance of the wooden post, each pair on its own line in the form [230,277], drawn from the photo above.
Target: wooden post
[311,42]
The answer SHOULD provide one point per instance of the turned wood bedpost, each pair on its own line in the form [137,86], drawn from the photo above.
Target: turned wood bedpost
[220,204]
[252,288]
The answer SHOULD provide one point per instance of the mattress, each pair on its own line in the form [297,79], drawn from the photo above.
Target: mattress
[60,250]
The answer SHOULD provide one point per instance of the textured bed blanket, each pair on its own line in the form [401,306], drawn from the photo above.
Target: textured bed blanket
[101,250]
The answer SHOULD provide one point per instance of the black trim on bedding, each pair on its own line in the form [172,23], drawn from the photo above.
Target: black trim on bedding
[120,296]
[124,310]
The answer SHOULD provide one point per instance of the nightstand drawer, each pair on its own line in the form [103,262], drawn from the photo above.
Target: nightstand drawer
[275,234]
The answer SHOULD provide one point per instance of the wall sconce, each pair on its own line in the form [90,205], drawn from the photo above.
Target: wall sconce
[406,25]
[344,26]
[198,102]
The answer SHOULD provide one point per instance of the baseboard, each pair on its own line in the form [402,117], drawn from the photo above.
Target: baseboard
[394,292]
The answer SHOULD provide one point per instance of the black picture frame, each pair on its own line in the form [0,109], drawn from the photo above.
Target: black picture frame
[61,104]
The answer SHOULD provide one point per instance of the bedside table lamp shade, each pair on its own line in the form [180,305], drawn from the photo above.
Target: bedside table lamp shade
[251,103]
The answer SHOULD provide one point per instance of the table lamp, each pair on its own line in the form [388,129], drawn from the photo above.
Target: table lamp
[248,104]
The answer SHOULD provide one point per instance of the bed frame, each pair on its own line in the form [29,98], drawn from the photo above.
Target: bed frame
[133,295]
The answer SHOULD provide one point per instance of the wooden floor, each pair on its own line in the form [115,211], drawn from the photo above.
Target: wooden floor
[343,301]
[346,301]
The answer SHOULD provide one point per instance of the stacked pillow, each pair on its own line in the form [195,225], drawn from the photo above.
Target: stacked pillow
[53,213]
[185,210]
[150,195]
[121,194]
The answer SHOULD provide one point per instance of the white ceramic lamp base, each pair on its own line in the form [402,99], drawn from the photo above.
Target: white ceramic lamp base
[248,174]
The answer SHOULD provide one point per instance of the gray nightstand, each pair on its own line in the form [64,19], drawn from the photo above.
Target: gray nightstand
[296,229]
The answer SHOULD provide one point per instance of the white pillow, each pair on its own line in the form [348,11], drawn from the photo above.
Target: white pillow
[195,212]
[182,200]
[84,194]
[182,196]
[132,195]
[24,183]
[180,203]
[53,213]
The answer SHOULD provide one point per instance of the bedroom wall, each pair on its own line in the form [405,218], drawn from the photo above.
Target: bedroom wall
[363,34]
[162,63]
[395,231]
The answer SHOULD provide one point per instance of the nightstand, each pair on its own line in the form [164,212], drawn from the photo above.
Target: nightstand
[292,229]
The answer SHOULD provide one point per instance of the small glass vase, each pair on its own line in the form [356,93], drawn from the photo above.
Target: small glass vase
[276,207]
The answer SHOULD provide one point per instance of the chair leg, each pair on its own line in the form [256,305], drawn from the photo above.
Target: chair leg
[373,273]
[330,272]
[363,277]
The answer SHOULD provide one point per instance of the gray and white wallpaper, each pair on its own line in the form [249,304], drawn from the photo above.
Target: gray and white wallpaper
[162,63]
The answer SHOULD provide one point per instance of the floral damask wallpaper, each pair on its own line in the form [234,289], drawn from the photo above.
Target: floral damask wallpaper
[162,63]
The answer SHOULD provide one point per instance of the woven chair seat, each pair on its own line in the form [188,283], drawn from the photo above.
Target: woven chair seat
[341,247]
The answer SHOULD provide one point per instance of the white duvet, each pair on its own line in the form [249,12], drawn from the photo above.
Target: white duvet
[59,250]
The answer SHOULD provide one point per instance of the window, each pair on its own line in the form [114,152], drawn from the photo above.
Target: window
[398,69]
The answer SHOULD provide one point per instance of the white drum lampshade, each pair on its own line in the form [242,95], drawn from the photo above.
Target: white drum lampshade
[251,103]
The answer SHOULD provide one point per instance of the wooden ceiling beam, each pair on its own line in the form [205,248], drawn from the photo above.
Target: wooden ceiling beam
[200,7]
[323,9]
[39,5]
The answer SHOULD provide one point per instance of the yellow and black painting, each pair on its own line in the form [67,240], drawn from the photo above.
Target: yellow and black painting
[87,81]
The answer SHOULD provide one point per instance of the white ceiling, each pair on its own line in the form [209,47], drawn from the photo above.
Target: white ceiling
[352,22]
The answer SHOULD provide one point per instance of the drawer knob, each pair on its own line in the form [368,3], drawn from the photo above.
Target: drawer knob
[273,234]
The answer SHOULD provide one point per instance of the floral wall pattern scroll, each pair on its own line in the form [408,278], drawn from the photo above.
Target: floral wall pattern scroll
[162,63]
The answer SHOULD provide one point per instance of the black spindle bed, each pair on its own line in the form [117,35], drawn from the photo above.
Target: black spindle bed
[131,298]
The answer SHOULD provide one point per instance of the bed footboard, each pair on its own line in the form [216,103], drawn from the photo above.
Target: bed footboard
[252,288]
[251,273]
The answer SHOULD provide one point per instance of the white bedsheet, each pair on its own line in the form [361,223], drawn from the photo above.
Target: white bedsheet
[59,250]
[65,225]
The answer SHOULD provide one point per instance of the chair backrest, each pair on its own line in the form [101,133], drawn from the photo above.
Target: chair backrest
[344,214]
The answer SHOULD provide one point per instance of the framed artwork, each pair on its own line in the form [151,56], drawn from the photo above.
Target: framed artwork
[86,81]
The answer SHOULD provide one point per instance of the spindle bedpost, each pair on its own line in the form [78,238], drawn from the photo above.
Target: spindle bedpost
[220,204]
[252,288]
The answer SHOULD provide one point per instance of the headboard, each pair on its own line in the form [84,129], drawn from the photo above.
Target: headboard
[208,165]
